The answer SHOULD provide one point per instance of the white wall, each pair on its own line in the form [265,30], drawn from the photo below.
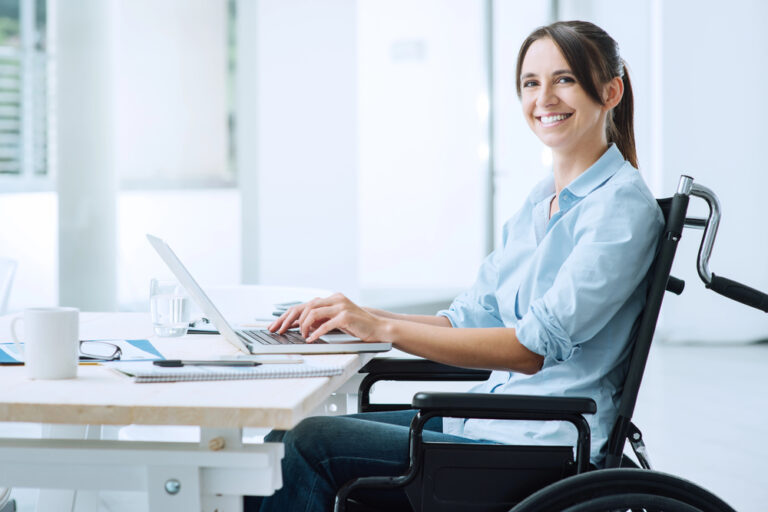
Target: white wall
[714,130]
[170,100]
[81,50]
[170,95]
[30,236]
[422,134]
[297,152]
[361,149]
[201,226]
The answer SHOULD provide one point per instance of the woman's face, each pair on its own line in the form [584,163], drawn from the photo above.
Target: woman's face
[555,106]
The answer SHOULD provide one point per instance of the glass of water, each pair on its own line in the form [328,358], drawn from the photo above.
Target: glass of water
[169,307]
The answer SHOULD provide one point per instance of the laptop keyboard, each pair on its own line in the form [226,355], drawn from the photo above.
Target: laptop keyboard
[270,338]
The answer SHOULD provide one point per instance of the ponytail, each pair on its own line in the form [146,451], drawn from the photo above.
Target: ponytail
[621,125]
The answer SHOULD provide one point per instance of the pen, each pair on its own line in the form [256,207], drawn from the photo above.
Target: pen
[176,363]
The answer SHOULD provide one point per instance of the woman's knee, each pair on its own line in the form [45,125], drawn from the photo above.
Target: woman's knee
[275,436]
[315,426]
[311,433]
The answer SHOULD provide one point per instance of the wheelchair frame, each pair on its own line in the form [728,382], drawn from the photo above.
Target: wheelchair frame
[559,483]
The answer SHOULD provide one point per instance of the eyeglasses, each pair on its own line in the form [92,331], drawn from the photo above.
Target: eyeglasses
[99,351]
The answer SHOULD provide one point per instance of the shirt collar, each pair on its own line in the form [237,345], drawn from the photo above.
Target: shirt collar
[598,173]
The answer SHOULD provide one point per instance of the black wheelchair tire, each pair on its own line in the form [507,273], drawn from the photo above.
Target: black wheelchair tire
[576,493]
[636,501]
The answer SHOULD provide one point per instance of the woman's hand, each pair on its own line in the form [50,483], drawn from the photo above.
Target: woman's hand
[320,316]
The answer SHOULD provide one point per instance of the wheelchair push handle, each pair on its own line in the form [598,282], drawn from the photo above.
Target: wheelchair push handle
[722,285]
[739,292]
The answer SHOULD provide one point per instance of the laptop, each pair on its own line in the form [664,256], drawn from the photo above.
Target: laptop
[259,341]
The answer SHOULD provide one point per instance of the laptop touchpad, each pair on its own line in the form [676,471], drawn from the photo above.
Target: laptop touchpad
[339,338]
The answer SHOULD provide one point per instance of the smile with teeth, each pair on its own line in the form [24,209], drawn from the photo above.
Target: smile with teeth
[553,118]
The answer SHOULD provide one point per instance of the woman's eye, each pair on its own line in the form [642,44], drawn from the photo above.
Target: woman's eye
[565,80]
[529,83]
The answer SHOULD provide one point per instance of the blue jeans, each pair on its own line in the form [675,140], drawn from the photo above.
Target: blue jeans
[323,453]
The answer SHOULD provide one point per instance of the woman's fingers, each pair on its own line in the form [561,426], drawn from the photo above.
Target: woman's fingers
[287,319]
[314,303]
[336,298]
[325,328]
[345,316]
[312,314]
[316,318]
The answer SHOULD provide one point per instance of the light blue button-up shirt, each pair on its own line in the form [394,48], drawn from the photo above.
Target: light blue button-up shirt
[572,286]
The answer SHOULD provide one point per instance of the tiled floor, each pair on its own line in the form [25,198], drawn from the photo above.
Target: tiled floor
[703,411]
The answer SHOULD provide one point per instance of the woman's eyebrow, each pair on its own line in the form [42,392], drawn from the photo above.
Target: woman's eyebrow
[559,72]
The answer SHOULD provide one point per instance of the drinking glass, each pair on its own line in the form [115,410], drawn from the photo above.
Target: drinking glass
[170,308]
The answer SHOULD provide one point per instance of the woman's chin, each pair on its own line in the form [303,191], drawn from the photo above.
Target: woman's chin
[553,143]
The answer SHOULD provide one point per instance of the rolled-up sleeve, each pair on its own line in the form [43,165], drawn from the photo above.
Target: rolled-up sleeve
[540,331]
[614,245]
[478,307]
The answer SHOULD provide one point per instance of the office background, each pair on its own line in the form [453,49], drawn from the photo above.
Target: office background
[374,147]
[369,147]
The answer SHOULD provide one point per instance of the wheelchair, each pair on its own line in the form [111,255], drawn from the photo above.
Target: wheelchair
[450,477]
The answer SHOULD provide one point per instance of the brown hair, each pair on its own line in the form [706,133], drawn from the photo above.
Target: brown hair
[594,59]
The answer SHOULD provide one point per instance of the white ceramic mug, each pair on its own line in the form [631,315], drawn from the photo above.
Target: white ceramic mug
[51,342]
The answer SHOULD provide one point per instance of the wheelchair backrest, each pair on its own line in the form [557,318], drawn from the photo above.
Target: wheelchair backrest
[674,210]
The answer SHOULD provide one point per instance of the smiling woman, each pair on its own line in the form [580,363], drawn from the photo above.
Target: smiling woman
[552,308]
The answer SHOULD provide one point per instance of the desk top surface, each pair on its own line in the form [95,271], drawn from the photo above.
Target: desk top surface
[98,396]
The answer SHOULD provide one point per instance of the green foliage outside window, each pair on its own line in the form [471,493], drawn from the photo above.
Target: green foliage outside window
[9,32]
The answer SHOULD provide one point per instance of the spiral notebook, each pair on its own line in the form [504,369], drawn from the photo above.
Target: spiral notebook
[144,372]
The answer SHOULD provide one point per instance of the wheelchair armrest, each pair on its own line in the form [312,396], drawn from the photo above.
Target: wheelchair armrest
[501,403]
[414,370]
[509,407]
[419,369]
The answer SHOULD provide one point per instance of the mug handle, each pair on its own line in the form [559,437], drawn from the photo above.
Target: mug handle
[15,335]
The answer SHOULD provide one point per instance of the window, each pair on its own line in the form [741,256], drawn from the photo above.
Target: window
[23,95]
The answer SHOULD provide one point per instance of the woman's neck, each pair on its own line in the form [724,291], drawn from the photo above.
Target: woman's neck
[568,165]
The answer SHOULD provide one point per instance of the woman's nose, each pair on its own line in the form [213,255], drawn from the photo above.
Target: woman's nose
[546,97]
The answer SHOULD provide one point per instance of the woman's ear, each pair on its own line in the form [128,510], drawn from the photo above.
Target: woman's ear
[613,92]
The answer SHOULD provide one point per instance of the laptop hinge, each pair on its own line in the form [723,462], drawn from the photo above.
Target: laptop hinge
[248,342]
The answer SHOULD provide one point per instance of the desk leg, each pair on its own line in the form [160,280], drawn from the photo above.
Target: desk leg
[221,439]
[65,500]
[343,401]
[178,488]
[173,488]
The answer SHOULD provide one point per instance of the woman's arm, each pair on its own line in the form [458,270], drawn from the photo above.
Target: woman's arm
[495,348]
[488,348]
[422,319]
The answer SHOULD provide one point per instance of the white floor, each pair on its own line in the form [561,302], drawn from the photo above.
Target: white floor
[703,411]
[704,415]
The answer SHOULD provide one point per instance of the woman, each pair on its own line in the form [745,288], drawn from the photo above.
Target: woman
[552,308]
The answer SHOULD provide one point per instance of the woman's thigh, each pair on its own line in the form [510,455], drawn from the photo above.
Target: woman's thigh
[399,418]
[402,418]
[323,453]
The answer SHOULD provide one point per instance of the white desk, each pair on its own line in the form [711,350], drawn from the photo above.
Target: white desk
[210,475]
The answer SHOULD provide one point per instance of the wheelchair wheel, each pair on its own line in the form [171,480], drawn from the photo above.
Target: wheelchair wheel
[623,489]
